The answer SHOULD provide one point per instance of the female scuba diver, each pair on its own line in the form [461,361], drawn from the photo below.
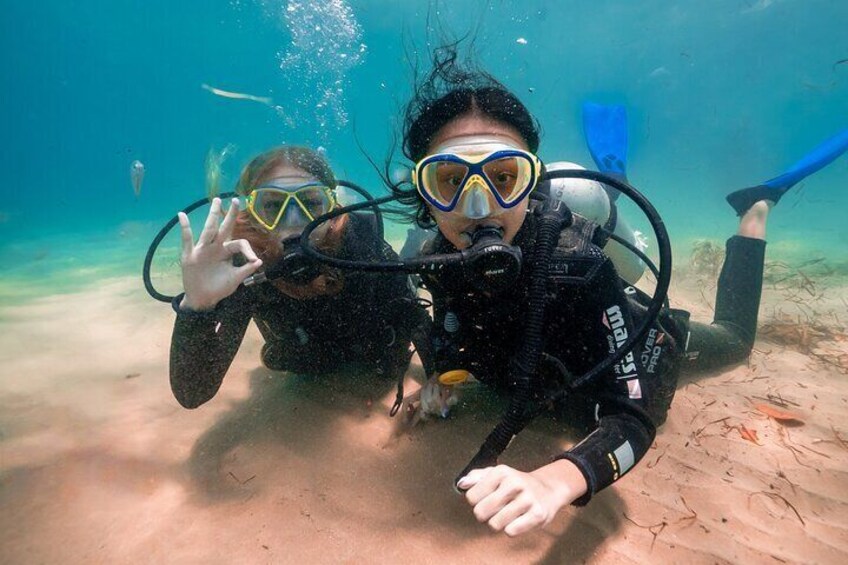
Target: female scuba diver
[313,318]
[474,147]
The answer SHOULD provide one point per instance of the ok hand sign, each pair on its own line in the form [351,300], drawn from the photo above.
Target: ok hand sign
[209,275]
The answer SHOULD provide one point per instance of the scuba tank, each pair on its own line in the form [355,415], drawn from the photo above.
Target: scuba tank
[589,199]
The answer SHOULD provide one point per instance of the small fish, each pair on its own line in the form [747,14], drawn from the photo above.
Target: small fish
[237,95]
[137,176]
[839,62]
[214,169]
[521,41]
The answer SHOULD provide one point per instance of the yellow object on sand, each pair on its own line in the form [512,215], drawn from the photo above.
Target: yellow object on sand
[455,377]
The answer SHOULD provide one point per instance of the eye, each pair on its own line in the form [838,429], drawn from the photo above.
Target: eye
[454,180]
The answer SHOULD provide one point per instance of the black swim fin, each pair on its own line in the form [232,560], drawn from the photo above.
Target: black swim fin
[775,188]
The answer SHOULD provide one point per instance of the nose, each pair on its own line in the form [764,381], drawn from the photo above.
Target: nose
[476,203]
[293,216]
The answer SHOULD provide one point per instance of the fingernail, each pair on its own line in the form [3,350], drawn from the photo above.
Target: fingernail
[463,482]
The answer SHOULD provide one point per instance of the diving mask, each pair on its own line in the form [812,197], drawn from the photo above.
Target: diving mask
[477,177]
[289,206]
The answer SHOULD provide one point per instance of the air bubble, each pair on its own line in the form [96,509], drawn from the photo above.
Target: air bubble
[316,63]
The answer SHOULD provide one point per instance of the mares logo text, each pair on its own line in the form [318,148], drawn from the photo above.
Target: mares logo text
[614,320]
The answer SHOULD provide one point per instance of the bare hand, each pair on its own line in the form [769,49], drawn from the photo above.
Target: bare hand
[432,399]
[516,502]
[209,275]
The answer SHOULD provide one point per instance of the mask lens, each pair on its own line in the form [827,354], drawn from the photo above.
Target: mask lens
[267,204]
[442,180]
[509,175]
[315,200]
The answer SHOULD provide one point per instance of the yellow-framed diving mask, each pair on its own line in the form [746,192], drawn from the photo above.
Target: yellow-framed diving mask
[271,205]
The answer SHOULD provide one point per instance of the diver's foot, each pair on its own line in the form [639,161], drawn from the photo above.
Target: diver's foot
[744,200]
[773,189]
[753,222]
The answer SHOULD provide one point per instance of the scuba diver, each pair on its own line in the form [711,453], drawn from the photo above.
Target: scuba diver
[314,319]
[476,171]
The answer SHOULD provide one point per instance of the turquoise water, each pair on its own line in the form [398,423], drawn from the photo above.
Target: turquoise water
[720,95]
[99,461]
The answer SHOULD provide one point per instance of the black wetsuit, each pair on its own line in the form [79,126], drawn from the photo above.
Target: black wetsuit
[370,322]
[584,323]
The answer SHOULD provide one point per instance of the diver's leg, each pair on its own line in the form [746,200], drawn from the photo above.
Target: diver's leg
[730,338]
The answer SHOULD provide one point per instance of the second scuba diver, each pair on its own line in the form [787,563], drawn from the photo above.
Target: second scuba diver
[314,319]
[474,145]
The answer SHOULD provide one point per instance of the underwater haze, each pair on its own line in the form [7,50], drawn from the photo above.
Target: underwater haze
[720,95]
[111,111]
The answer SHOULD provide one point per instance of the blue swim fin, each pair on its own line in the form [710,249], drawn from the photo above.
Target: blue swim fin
[605,130]
[775,188]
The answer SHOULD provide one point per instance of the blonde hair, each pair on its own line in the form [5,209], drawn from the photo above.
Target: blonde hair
[256,172]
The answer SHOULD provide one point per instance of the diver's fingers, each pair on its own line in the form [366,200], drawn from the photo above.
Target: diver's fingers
[242,246]
[523,524]
[229,223]
[519,508]
[185,233]
[247,269]
[472,478]
[210,228]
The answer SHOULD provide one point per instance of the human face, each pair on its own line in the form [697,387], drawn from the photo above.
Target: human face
[294,218]
[455,227]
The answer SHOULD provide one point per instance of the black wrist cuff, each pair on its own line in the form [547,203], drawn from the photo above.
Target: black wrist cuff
[187,313]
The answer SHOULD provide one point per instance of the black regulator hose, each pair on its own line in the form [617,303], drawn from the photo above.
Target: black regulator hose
[525,367]
[663,273]
[489,255]
[554,217]
[378,214]
[154,245]
[527,361]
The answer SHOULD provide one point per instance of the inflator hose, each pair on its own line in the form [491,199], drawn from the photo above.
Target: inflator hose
[555,216]
[154,245]
[515,418]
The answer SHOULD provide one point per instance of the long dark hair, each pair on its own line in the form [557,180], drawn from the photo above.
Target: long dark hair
[451,89]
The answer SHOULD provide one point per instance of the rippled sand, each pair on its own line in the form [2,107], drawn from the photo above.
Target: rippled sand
[99,464]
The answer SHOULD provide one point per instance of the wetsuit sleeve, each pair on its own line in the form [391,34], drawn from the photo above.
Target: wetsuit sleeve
[203,346]
[597,319]
[623,436]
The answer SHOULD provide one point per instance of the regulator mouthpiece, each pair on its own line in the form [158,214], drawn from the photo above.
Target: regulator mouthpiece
[293,267]
[491,264]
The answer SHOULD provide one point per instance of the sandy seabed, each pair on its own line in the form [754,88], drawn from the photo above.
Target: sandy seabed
[99,464]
